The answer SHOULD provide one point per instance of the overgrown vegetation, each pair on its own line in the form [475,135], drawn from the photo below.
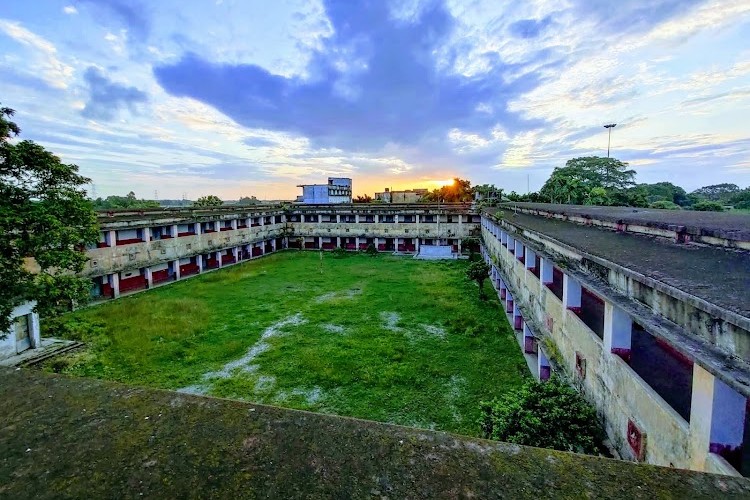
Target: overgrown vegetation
[385,338]
[479,271]
[543,414]
[45,222]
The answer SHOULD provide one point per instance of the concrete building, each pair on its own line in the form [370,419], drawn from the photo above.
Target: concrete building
[24,331]
[141,249]
[406,196]
[653,330]
[338,190]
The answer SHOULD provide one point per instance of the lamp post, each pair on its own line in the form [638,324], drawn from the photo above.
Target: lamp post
[609,127]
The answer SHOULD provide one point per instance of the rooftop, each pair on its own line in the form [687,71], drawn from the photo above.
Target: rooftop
[716,275]
[82,437]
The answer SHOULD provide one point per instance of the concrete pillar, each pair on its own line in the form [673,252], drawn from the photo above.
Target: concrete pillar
[617,330]
[530,258]
[273,245]
[173,230]
[547,272]
[416,245]
[235,253]
[114,280]
[356,240]
[35,333]
[199,261]
[234,223]
[320,242]
[217,226]
[571,293]
[356,219]
[320,218]
[112,238]
[146,234]
[176,268]
[149,278]
[197,227]
[338,241]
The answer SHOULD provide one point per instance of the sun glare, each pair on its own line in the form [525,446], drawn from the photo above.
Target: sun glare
[441,183]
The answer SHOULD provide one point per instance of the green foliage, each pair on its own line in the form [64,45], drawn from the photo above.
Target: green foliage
[478,271]
[470,244]
[460,190]
[717,192]
[546,415]
[743,205]
[339,252]
[248,200]
[46,222]
[129,201]
[208,201]
[574,182]
[665,205]
[391,339]
[708,206]
[371,250]
[362,199]
[665,191]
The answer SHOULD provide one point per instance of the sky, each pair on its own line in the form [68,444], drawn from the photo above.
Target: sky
[181,98]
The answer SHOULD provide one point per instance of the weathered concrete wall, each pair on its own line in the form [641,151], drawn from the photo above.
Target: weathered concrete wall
[621,397]
[8,345]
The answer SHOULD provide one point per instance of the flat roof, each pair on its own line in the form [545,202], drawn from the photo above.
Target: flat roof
[729,225]
[67,437]
[719,276]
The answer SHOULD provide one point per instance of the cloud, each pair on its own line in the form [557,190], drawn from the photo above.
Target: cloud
[129,14]
[106,97]
[529,28]
[70,9]
[375,81]
[53,71]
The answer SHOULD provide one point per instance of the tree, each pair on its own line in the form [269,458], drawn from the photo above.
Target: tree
[543,414]
[573,182]
[708,206]
[478,271]
[129,201]
[665,191]
[717,192]
[458,190]
[363,199]
[248,200]
[46,222]
[208,201]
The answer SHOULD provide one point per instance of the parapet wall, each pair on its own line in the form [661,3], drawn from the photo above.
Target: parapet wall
[596,354]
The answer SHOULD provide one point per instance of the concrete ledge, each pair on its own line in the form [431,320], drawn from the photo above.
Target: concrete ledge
[64,437]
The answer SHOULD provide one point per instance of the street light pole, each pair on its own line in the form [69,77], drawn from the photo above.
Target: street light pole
[609,127]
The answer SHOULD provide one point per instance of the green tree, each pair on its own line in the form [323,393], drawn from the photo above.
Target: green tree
[543,414]
[717,192]
[129,201]
[708,206]
[665,205]
[46,221]
[459,190]
[665,191]
[208,201]
[248,200]
[479,271]
[573,182]
[363,199]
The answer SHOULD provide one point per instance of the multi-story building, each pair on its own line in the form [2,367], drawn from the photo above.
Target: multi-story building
[405,196]
[338,190]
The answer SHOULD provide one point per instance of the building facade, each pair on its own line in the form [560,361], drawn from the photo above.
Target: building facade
[338,190]
[405,196]
[142,249]
[630,321]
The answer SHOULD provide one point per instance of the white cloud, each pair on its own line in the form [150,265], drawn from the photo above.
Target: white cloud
[53,71]
[70,10]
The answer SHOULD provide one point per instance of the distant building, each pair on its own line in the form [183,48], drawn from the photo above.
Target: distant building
[407,196]
[338,190]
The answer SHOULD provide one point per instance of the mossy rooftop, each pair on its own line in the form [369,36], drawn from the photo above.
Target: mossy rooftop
[76,438]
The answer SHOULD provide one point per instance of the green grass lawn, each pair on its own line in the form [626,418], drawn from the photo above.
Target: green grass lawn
[384,338]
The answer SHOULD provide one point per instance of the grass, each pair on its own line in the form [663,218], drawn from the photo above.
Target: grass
[384,338]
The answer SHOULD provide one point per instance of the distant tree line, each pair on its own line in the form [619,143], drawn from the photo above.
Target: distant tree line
[595,180]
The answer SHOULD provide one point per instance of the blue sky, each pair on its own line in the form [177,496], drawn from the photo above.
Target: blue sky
[253,97]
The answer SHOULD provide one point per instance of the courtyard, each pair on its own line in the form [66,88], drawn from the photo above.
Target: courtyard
[383,337]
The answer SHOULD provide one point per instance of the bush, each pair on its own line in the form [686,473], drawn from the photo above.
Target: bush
[743,205]
[339,252]
[708,206]
[665,205]
[371,250]
[545,415]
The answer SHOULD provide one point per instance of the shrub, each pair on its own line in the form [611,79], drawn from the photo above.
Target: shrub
[708,206]
[371,250]
[546,415]
[743,205]
[665,205]
[339,252]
